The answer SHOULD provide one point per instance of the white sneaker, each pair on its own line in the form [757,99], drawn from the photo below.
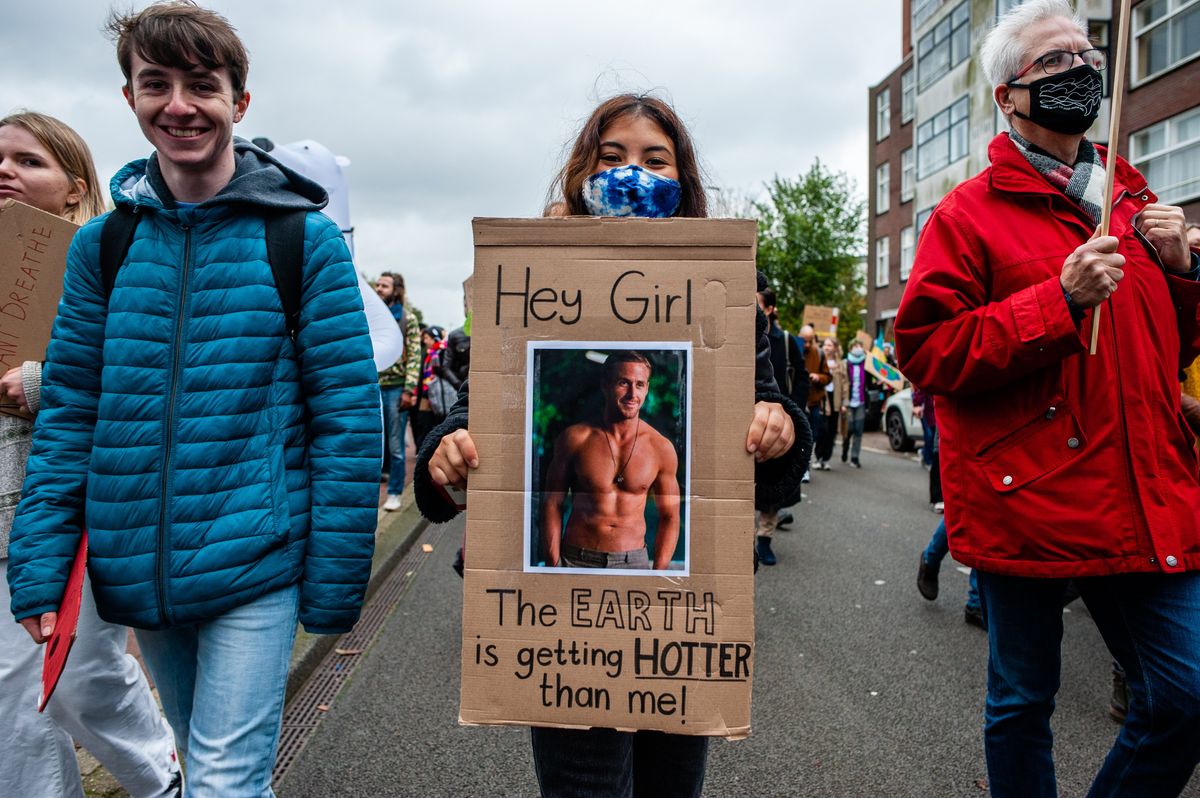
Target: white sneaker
[939,507]
[392,503]
[806,478]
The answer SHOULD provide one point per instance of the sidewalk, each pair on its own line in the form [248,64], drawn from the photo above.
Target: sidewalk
[394,535]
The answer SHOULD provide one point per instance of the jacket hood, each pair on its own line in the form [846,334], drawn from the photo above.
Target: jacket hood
[258,180]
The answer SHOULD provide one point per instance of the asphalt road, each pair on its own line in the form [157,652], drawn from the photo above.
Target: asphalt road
[862,688]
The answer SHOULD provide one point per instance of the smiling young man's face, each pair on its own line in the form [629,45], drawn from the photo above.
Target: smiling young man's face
[187,114]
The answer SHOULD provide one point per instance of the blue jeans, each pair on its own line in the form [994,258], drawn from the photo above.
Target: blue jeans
[936,551]
[221,683]
[395,421]
[928,449]
[604,763]
[1151,624]
[855,423]
[816,422]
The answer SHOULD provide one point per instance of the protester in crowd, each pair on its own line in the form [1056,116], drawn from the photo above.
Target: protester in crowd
[435,395]
[227,471]
[787,365]
[102,700]
[1049,483]
[922,404]
[398,385]
[638,141]
[1193,235]
[835,395]
[818,378]
[456,357]
[889,353]
[930,568]
[854,402]
[440,390]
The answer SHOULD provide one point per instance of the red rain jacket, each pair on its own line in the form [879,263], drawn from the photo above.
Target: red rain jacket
[1054,463]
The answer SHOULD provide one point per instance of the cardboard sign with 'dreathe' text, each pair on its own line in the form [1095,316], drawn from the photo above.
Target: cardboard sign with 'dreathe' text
[33,258]
[610,523]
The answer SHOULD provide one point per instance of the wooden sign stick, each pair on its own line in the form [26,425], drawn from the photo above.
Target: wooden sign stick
[1117,80]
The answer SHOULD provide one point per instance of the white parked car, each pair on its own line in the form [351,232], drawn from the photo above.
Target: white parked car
[903,429]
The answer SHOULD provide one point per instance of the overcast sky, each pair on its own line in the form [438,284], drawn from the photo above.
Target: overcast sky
[462,108]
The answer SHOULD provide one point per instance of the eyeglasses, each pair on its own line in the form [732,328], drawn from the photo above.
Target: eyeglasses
[1057,61]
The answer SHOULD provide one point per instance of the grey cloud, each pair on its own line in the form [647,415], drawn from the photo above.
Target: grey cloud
[460,109]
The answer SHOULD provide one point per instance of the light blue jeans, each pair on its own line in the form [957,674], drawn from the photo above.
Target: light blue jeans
[221,683]
[936,551]
[395,421]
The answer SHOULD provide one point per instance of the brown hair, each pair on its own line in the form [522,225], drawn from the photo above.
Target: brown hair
[72,154]
[617,358]
[567,189]
[180,34]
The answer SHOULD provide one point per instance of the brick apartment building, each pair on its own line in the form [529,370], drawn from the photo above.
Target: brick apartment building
[936,135]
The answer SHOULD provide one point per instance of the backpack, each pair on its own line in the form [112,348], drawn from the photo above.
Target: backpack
[285,253]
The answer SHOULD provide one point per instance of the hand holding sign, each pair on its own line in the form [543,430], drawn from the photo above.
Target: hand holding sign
[453,460]
[771,432]
[1091,273]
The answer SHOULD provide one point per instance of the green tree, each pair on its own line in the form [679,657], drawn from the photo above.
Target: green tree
[811,236]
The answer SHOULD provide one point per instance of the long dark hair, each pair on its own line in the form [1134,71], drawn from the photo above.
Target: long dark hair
[567,189]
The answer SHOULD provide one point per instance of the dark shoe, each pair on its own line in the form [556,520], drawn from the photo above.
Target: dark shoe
[855,463]
[785,519]
[845,454]
[763,547]
[927,579]
[974,616]
[1118,705]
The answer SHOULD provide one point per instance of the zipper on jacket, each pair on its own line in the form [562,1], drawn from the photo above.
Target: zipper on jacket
[172,394]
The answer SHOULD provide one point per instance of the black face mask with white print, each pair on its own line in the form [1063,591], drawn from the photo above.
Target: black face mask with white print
[1066,103]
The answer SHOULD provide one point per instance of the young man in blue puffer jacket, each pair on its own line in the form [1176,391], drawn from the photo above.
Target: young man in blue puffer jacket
[227,475]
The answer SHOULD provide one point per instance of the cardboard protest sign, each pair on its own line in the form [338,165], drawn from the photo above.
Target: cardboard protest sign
[877,365]
[609,526]
[824,320]
[33,258]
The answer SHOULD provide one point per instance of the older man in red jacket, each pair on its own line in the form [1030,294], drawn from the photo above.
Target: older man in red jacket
[1059,465]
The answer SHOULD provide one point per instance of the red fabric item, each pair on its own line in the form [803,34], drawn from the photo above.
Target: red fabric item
[63,636]
[1054,463]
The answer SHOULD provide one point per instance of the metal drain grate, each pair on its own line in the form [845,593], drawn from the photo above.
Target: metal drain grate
[303,714]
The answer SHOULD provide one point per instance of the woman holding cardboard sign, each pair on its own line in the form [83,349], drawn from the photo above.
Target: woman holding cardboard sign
[633,157]
[103,700]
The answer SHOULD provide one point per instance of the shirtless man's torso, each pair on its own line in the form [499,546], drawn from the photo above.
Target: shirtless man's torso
[610,468]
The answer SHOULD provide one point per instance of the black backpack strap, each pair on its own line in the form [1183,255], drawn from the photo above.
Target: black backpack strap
[285,252]
[115,239]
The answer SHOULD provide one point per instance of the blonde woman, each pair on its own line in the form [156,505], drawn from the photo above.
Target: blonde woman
[102,700]
[835,393]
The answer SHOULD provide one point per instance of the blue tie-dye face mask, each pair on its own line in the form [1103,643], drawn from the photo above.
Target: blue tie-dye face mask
[631,191]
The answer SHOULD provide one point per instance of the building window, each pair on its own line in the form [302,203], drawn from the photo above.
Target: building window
[1165,34]
[883,114]
[908,175]
[922,218]
[908,96]
[945,46]
[883,253]
[908,251]
[1168,154]
[942,140]
[1004,6]
[883,187]
[923,10]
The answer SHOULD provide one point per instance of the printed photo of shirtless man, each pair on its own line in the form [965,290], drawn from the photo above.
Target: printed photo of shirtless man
[610,466]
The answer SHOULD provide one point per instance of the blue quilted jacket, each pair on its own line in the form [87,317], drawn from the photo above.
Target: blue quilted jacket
[211,460]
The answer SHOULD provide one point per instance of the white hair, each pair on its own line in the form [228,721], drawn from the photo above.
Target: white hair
[1003,49]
